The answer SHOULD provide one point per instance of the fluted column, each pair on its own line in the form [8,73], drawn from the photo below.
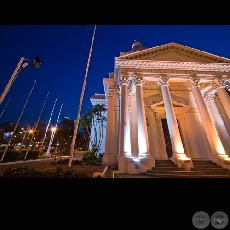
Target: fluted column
[143,143]
[176,141]
[125,142]
[223,95]
[219,123]
[134,123]
[212,135]
[117,123]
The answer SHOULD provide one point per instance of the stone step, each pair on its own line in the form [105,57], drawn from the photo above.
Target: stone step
[109,174]
[168,175]
[184,172]
[204,163]
[210,169]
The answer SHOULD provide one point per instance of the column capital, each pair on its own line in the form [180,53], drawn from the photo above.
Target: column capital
[138,79]
[124,79]
[220,83]
[163,80]
[194,81]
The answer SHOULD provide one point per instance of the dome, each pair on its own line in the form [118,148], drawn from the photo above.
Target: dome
[136,45]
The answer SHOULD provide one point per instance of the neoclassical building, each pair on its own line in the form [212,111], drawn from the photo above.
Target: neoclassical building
[166,102]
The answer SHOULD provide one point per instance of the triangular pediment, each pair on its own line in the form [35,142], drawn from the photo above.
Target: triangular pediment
[156,101]
[173,52]
[174,103]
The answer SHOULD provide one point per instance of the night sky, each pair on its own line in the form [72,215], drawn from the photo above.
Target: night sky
[64,50]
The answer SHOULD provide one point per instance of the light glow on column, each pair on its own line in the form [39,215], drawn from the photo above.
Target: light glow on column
[220,148]
[142,143]
[179,148]
[127,146]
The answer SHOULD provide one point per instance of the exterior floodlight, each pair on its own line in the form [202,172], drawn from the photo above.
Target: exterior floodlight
[24,65]
[36,63]
[136,159]
[21,65]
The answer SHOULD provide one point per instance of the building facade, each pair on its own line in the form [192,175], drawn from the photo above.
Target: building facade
[167,102]
[66,124]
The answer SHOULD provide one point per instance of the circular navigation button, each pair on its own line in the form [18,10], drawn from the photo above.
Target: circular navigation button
[219,220]
[201,220]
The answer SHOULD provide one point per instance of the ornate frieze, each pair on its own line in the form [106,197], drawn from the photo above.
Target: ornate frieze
[173,65]
[178,86]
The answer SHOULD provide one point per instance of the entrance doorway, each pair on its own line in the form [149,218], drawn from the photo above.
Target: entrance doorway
[167,138]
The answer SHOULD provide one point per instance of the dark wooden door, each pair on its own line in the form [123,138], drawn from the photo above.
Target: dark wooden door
[167,138]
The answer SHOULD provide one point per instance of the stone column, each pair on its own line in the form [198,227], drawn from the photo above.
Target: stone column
[212,135]
[117,123]
[134,121]
[143,143]
[223,95]
[176,141]
[219,123]
[124,139]
[108,157]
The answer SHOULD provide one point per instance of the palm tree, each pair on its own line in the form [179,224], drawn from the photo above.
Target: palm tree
[85,124]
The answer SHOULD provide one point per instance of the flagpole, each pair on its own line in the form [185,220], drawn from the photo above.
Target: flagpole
[3,155]
[35,127]
[80,104]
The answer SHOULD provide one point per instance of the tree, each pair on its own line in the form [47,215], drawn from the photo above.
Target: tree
[85,125]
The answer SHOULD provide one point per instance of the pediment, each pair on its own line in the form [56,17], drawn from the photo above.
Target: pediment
[156,101]
[174,103]
[173,52]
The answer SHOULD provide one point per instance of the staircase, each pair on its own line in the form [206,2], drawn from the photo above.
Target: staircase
[202,169]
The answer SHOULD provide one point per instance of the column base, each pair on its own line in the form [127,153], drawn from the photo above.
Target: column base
[129,165]
[182,161]
[109,159]
[222,160]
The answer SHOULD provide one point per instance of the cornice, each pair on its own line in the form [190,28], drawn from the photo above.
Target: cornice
[172,66]
[177,48]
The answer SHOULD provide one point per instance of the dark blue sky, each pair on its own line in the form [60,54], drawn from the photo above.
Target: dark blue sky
[64,50]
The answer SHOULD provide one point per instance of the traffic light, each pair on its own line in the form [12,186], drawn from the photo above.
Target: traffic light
[36,63]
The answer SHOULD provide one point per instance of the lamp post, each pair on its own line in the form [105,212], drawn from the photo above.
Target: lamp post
[35,128]
[21,65]
[53,130]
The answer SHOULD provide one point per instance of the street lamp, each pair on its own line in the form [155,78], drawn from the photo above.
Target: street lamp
[21,65]
[53,130]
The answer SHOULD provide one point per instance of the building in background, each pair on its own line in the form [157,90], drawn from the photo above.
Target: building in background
[66,124]
[41,124]
[166,102]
